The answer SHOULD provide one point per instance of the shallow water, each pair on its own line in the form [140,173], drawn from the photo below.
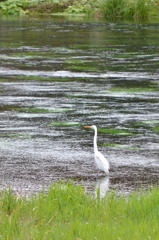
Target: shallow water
[56,75]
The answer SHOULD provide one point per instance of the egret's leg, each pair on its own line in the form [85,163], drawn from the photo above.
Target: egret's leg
[97,173]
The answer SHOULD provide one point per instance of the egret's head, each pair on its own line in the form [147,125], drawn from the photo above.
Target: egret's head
[93,126]
[87,126]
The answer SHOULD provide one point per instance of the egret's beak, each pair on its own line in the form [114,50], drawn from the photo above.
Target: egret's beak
[87,127]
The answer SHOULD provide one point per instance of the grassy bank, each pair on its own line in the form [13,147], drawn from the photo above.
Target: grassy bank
[110,9]
[67,212]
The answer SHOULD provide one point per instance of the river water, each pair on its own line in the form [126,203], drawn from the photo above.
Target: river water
[58,74]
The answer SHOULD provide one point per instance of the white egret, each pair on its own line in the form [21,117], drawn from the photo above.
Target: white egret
[100,160]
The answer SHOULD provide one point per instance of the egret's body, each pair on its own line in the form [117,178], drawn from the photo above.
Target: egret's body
[100,160]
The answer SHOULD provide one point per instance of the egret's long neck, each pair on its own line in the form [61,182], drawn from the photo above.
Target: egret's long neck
[95,140]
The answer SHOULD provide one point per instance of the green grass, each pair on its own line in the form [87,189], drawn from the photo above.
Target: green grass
[110,9]
[132,9]
[68,212]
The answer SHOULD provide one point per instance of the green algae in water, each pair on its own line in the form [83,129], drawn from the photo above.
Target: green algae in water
[65,124]
[118,146]
[80,65]
[38,78]
[15,135]
[152,125]
[3,80]
[33,54]
[147,123]
[76,61]
[126,55]
[113,131]
[83,68]
[156,129]
[112,145]
[134,90]
[42,110]
[48,79]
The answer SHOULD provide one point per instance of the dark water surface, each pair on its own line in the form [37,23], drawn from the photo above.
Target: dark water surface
[56,75]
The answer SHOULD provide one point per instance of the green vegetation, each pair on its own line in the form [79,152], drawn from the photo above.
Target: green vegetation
[156,129]
[136,9]
[42,110]
[84,6]
[39,78]
[113,145]
[36,110]
[14,135]
[67,212]
[12,7]
[65,124]
[83,68]
[120,146]
[149,123]
[80,65]
[134,89]
[152,125]
[110,9]
[3,80]
[114,131]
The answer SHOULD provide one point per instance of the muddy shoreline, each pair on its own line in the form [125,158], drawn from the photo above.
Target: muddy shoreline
[30,178]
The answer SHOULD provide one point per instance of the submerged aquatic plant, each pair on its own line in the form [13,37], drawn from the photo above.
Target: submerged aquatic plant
[113,131]
[156,129]
[42,110]
[135,89]
[65,124]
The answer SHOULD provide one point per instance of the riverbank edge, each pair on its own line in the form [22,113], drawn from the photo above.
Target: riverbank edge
[116,10]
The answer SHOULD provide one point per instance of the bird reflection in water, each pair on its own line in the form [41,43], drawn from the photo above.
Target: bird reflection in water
[101,187]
